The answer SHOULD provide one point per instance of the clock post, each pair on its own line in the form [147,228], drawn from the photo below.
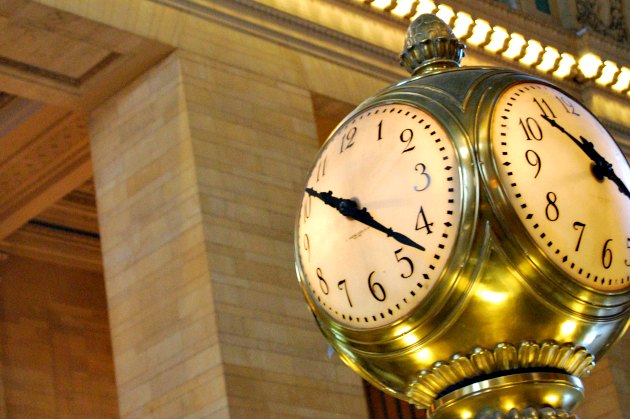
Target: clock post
[440,245]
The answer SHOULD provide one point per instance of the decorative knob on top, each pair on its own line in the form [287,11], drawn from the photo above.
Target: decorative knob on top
[430,45]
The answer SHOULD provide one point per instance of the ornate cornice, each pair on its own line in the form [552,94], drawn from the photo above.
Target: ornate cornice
[616,29]
[301,34]
[56,245]
[45,168]
[5,99]
[504,357]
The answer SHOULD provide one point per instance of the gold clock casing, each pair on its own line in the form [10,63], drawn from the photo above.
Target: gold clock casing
[500,307]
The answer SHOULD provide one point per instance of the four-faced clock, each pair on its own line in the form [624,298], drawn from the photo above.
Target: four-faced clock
[379,216]
[567,181]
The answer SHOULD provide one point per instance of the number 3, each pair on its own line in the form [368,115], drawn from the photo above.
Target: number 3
[423,173]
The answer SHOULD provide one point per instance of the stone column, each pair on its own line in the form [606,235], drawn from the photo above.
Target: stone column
[199,168]
[161,306]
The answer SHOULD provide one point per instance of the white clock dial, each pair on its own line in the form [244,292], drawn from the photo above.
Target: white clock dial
[393,171]
[546,146]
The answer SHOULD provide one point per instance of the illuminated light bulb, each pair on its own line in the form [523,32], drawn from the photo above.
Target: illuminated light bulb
[480,32]
[403,8]
[515,46]
[425,6]
[532,53]
[589,65]
[381,4]
[445,13]
[608,73]
[462,24]
[623,80]
[565,66]
[549,59]
[497,40]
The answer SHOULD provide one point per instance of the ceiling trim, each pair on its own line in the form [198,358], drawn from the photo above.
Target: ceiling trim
[56,246]
[35,71]
[263,21]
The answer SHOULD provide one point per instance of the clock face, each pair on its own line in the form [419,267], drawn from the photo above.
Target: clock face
[551,155]
[379,216]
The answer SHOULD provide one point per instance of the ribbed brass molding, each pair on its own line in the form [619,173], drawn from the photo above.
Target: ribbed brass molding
[529,413]
[503,357]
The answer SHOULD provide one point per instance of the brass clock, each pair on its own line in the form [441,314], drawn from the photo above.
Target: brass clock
[567,183]
[463,238]
[379,215]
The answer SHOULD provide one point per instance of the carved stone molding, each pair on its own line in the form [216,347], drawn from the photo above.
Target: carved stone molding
[55,245]
[304,35]
[590,15]
[63,59]
[46,167]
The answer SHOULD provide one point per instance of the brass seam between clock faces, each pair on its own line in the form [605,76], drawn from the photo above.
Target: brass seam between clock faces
[503,358]
[594,301]
[395,107]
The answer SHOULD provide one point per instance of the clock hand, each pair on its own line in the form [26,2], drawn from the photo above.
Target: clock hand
[349,208]
[602,167]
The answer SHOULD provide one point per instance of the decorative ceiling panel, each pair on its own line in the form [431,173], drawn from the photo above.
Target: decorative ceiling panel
[63,59]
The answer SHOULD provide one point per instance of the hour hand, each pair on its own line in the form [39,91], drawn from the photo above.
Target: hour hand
[602,168]
[349,208]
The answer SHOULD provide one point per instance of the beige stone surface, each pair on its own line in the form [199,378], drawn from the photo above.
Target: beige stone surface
[55,342]
[198,168]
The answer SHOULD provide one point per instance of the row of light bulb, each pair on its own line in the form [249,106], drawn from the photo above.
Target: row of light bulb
[514,46]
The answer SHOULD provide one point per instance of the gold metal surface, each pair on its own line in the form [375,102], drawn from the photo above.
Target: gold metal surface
[430,45]
[499,307]
[503,357]
[526,395]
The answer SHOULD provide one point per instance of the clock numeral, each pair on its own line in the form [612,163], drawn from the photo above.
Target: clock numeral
[628,246]
[376,288]
[607,255]
[343,286]
[307,245]
[544,107]
[579,226]
[380,131]
[533,159]
[321,169]
[406,136]
[405,259]
[347,140]
[551,210]
[425,175]
[323,285]
[531,128]
[306,207]
[424,224]
[567,105]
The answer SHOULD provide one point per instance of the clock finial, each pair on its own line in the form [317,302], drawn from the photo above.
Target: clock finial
[430,45]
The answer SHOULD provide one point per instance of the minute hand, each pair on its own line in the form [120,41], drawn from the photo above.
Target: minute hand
[602,167]
[349,208]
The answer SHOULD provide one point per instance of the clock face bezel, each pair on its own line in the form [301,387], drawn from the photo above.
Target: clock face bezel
[519,243]
[426,308]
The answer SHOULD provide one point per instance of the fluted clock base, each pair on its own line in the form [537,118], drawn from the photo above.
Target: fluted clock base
[522,395]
